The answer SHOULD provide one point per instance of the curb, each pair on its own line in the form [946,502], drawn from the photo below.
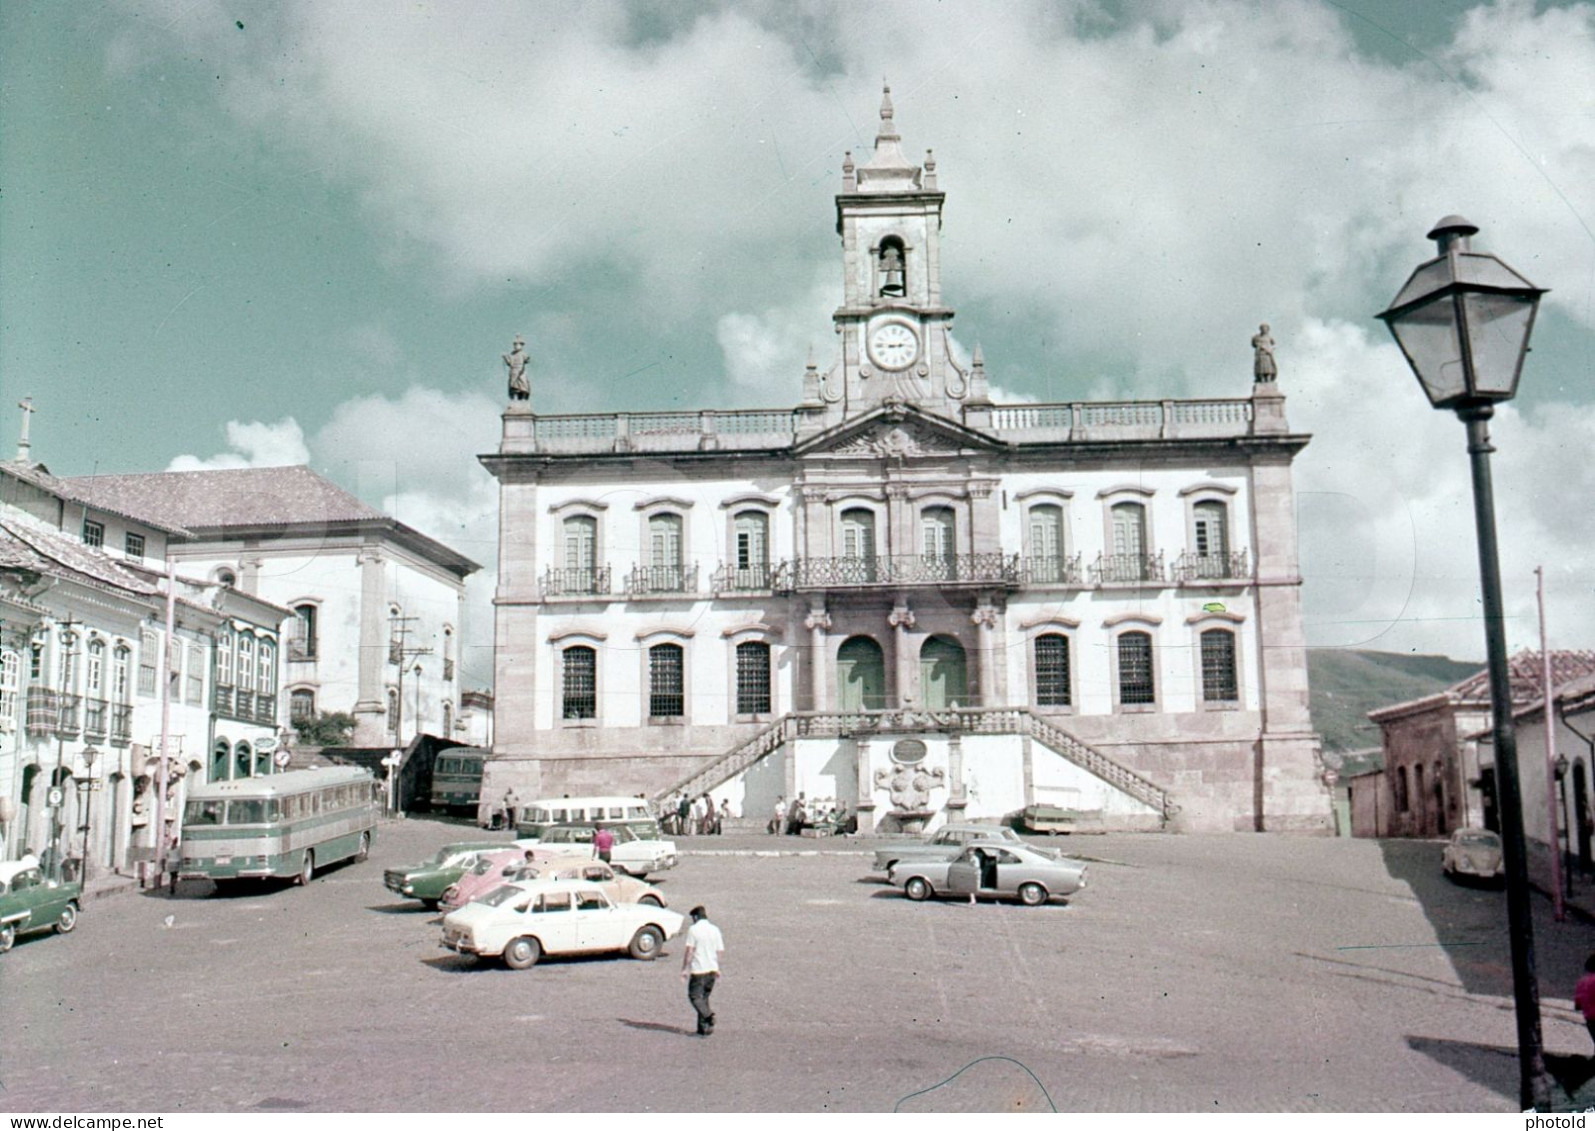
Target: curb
[776,852]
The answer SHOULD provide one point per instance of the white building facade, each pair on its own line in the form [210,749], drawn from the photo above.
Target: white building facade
[904,597]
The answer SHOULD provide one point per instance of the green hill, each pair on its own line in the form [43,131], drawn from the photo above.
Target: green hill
[1347,684]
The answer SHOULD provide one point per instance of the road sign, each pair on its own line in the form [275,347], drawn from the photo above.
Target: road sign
[55,797]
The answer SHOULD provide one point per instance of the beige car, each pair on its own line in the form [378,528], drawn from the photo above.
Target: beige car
[1474,852]
[620,887]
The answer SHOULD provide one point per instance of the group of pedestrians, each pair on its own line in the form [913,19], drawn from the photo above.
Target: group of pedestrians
[695,816]
[823,815]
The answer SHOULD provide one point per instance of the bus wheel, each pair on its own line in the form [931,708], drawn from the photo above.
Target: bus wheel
[522,953]
[307,870]
[365,847]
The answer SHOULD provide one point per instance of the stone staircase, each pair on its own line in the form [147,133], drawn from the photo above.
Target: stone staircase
[958,720]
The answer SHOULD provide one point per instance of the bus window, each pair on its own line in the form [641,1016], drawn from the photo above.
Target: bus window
[637,812]
[254,812]
[616,812]
[558,816]
[204,813]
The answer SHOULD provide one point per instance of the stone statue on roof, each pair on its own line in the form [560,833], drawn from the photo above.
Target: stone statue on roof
[520,385]
[1263,368]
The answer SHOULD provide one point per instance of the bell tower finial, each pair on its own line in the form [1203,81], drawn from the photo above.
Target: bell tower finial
[888,130]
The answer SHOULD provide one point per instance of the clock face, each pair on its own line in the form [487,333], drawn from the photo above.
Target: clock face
[893,345]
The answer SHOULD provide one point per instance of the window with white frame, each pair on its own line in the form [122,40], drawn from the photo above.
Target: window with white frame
[94,672]
[133,546]
[579,682]
[751,530]
[246,662]
[68,667]
[1210,529]
[666,681]
[121,659]
[581,554]
[1128,560]
[858,544]
[149,658]
[93,533]
[1046,544]
[753,678]
[303,643]
[266,668]
[224,657]
[1219,682]
[10,685]
[938,541]
[664,551]
[1136,682]
[1052,670]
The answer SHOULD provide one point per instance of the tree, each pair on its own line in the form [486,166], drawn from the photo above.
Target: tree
[329,728]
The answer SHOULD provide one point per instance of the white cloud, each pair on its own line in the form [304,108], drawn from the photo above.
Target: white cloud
[255,444]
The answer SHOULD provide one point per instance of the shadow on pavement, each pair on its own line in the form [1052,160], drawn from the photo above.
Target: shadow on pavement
[1463,916]
[1572,1077]
[658,1027]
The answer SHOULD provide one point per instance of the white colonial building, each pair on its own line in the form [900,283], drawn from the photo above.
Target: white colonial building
[377,605]
[902,596]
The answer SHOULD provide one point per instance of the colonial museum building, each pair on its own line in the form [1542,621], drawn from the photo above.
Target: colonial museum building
[902,596]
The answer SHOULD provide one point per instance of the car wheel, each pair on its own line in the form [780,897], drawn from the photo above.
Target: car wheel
[917,889]
[652,900]
[522,953]
[68,919]
[8,935]
[1032,895]
[645,944]
[365,847]
[307,869]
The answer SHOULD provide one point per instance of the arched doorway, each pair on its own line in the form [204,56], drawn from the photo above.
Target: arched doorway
[220,755]
[860,675]
[943,674]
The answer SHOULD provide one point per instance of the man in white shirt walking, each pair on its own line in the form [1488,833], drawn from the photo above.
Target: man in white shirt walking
[700,966]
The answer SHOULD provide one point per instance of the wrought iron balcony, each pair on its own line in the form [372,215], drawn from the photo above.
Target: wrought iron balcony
[68,707]
[224,700]
[575,582]
[1057,570]
[265,708]
[907,569]
[94,712]
[653,580]
[1120,569]
[301,650]
[764,578]
[1195,568]
[121,724]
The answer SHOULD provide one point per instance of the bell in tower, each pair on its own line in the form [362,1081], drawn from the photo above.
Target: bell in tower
[891,270]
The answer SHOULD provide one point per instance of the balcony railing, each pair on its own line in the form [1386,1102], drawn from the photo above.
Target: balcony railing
[121,724]
[662,579]
[1195,568]
[265,708]
[907,569]
[94,717]
[1112,569]
[301,650]
[764,578]
[1051,571]
[574,582]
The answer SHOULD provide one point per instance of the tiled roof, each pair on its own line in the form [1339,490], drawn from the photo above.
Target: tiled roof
[39,476]
[28,544]
[249,496]
[1526,670]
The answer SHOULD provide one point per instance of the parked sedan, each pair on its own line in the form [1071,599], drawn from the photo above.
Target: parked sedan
[1474,852]
[29,902]
[631,854]
[945,844]
[547,864]
[428,880]
[525,921]
[994,870]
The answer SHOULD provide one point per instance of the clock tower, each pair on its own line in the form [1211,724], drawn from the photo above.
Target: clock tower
[894,328]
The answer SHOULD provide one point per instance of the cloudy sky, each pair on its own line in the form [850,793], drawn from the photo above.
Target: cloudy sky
[237,234]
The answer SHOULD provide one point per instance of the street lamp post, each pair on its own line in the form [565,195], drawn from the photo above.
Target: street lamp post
[86,790]
[1463,321]
[1559,768]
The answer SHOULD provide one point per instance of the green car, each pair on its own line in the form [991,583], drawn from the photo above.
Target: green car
[29,902]
[428,880]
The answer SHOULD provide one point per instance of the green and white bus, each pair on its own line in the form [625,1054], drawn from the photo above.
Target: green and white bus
[280,825]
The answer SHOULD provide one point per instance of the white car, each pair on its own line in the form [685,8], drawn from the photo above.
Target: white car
[524,921]
[634,855]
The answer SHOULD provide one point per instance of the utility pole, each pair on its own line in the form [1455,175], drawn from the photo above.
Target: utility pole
[1554,837]
[400,653]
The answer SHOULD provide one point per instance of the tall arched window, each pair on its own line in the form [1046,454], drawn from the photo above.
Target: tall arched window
[1046,544]
[752,531]
[10,685]
[858,545]
[220,759]
[666,681]
[1136,683]
[860,675]
[753,678]
[243,760]
[1219,683]
[302,645]
[266,668]
[1052,670]
[581,554]
[301,706]
[1128,562]
[938,543]
[1401,789]
[246,662]
[1211,529]
[121,665]
[664,553]
[579,678]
